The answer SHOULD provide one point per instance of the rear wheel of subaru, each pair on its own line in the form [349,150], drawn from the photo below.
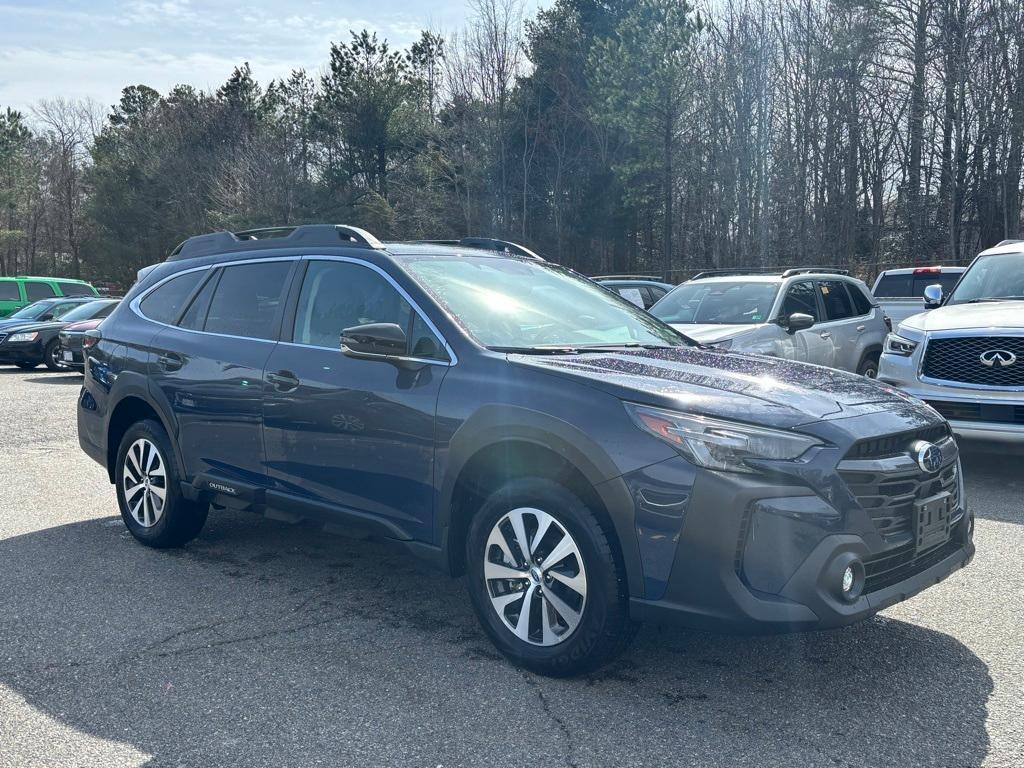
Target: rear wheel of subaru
[545,581]
[149,490]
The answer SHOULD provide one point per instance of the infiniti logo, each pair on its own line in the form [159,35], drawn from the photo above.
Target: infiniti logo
[998,358]
[927,456]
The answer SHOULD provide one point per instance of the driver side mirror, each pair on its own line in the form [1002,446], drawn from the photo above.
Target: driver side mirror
[46,316]
[798,321]
[933,296]
[374,341]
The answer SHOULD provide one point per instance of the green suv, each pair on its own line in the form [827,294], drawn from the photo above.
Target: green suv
[17,292]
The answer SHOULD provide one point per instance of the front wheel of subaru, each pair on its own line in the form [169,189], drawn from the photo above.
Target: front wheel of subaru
[545,581]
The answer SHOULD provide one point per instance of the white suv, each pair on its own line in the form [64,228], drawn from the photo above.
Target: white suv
[965,357]
[827,318]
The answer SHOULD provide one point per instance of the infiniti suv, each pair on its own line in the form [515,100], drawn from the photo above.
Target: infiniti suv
[584,465]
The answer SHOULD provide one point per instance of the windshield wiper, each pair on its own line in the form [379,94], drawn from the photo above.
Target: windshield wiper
[536,350]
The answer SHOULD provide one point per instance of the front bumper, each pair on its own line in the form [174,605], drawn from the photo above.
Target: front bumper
[974,413]
[21,352]
[757,555]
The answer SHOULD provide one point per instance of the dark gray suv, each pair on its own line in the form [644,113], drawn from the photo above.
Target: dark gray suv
[582,463]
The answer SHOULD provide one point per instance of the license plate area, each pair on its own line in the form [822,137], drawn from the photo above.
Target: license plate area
[68,357]
[931,520]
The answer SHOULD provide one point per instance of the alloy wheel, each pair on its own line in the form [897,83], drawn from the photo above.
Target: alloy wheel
[535,577]
[144,482]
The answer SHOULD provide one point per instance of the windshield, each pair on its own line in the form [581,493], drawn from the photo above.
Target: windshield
[525,305]
[991,278]
[93,309]
[32,311]
[718,303]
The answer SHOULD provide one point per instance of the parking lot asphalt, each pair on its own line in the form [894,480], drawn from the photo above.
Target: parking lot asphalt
[264,644]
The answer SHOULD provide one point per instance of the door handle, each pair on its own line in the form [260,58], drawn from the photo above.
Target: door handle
[170,362]
[826,334]
[283,381]
[860,328]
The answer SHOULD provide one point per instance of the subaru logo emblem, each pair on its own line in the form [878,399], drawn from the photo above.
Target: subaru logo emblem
[998,358]
[927,456]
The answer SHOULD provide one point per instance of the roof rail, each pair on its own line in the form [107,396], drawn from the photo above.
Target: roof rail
[656,278]
[1008,242]
[815,271]
[736,271]
[326,235]
[486,244]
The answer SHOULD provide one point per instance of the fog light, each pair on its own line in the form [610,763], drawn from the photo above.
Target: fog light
[849,579]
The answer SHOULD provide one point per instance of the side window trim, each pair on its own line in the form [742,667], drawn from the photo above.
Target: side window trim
[292,309]
[213,268]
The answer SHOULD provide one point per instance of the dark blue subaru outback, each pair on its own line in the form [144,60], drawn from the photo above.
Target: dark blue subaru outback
[584,465]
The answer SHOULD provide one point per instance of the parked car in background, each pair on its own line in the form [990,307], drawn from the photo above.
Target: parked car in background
[965,357]
[645,292]
[900,292]
[42,311]
[72,337]
[580,461]
[825,318]
[18,292]
[27,342]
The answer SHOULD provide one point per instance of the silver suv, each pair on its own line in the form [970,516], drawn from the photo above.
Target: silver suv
[826,318]
[965,357]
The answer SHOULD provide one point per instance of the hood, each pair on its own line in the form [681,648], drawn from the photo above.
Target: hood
[957,317]
[751,388]
[711,333]
[19,326]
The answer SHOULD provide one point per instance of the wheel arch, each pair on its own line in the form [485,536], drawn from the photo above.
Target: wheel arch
[508,451]
[131,408]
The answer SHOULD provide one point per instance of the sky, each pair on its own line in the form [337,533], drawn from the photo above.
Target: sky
[93,48]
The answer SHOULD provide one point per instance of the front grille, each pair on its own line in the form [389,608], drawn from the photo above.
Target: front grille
[959,359]
[998,413]
[888,497]
[894,445]
[892,567]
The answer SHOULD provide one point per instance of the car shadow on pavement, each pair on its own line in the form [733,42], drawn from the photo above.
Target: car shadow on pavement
[56,378]
[267,644]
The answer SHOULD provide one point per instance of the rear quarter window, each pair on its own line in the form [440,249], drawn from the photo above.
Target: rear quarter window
[76,289]
[164,305]
[9,291]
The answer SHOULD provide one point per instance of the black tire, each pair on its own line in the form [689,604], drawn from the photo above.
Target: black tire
[27,366]
[179,520]
[604,628]
[869,366]
[50,356]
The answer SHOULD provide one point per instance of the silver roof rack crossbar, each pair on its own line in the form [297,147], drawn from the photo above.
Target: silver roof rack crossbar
[325,235]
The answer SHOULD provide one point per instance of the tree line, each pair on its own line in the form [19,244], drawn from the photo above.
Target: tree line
[607,135]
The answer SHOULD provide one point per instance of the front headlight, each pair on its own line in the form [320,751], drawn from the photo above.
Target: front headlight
[898,345]
[25,336]
[718,444]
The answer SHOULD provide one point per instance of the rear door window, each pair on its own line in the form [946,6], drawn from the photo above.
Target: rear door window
[9,291]
[836,300]
[36,291]
[861,304]
[248,299]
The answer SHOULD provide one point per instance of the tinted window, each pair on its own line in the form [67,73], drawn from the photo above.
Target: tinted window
[37,291]
[247,300]
[165,303]
[894,286]
[945,279]
[75,289]
[337,295]
[195,316]
[861,304]
[91,310]
[9,291]
[800,299]
[836,300]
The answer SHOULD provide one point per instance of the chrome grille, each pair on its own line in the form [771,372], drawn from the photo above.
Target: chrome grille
[958,359]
